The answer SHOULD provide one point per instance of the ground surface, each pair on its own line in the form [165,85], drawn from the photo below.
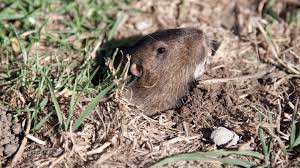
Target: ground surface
[252,80]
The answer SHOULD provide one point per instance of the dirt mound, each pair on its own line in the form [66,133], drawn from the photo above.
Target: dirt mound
[230,103]
[9,134]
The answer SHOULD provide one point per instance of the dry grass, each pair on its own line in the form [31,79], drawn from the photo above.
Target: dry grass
[250,87]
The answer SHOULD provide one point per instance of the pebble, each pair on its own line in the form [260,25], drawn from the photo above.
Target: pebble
[222,136]
[142,25]
[58,152]
[16,128]
[3,118]
[10,149]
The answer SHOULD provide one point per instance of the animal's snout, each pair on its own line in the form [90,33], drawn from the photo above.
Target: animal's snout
[136,69]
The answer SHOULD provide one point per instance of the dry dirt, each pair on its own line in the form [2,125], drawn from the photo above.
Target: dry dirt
[244,80]
[10,133]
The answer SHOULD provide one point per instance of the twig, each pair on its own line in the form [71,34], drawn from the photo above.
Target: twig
[24,142]
[277,138]
[289,49]
[279,82]
[273,49]
[102,147]
[239,78]
[31,137]
[99,150]
[27,33]
[179,139]
[104,157]
[66,148]
[93,53]
[61,157]
[278,119]
[295,54]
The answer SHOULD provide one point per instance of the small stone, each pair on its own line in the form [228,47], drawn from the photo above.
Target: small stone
[9,117]
[11,138]
[77,44]
[3,118]
[16,128]
[58,152]
[5,140]
[222,136]
[144,24]
[10,149]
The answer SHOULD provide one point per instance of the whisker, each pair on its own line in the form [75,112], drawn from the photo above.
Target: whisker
[152,37]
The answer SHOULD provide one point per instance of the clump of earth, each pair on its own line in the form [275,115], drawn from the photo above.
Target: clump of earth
[9,134]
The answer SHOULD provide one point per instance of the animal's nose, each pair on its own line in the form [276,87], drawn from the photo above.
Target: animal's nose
[136,69]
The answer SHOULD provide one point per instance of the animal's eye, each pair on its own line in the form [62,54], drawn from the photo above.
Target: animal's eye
[161,50]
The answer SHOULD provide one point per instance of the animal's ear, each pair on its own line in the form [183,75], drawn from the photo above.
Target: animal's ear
[136,70]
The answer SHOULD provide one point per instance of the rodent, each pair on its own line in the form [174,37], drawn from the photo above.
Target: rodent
[163,66]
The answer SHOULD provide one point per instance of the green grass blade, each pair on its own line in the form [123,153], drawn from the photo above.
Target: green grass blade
[294,127]
[10,14]
[39,107]
[40,89]
[179,157]
[244,153]
[43,103]
[220,153]
[41,123]
[237,162]
[42,86]
[72,107]
[204,156]
[55,102]
[91,106]
[73,100]
[297,142]
[264,145]
[117,24]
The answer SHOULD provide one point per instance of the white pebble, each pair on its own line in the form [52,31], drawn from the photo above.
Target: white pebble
[142,25]
[223,136]
[16,128]
[10,149]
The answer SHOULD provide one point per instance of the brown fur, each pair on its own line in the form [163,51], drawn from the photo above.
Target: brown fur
[167,77]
